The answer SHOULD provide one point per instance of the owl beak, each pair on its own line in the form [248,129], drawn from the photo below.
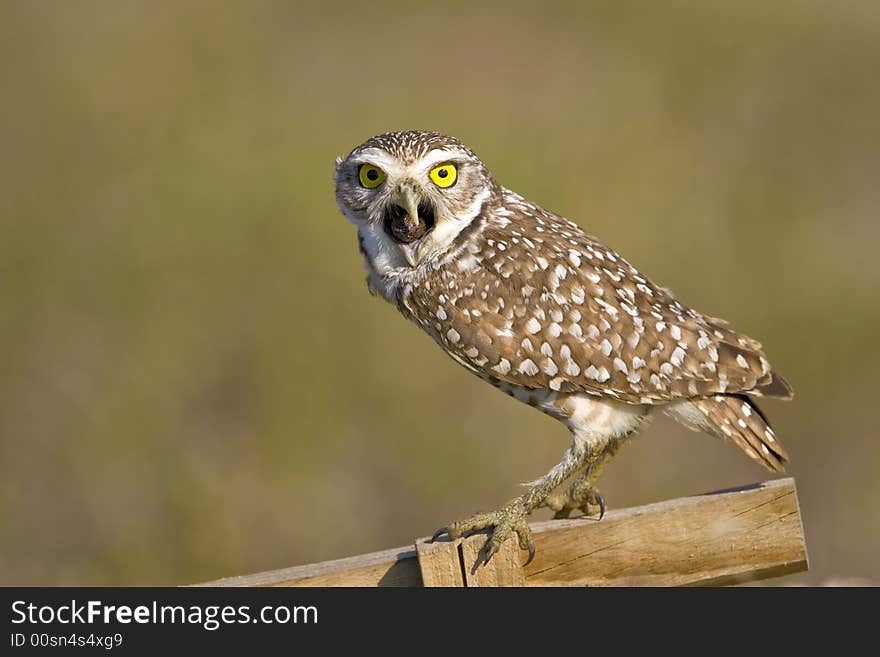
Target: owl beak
[408,220]
[409,201]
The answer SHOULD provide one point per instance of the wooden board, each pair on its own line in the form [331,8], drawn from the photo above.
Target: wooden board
[724,537]
[394,567]
[720,538]
[440,563]
[443,563]
[504,569]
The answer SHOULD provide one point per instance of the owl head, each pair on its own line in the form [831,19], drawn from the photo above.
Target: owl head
[410,193]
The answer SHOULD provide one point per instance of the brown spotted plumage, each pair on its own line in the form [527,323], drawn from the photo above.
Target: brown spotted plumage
[531,303]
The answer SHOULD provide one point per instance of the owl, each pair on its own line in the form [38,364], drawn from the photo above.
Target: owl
[535,306]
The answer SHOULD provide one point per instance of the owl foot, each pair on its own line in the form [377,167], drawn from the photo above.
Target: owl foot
[582,496]
[509,520]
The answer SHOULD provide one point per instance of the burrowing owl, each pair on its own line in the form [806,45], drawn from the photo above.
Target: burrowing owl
[530,303]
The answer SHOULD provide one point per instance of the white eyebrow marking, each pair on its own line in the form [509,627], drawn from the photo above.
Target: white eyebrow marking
[434,157]
[382,159]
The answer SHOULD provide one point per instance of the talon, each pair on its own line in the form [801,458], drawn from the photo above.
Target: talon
[584,497]
[531,554]
[499,525]
[489,550]
[439,533]
[526,543]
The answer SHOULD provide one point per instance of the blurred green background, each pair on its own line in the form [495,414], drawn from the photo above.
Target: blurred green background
[195,382]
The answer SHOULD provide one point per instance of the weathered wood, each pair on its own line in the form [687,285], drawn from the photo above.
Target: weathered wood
[720,538]
[725,537]
[440,563]
[394,567]
[504,569]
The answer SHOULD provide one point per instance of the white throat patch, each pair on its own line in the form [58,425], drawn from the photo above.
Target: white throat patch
[386,265]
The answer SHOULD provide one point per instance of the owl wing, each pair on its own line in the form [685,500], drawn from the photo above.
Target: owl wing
[542,304]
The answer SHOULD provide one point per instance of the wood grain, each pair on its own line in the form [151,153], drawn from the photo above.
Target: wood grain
[440,563]
[504,569]
[720,538]
[394,567]
[726,537]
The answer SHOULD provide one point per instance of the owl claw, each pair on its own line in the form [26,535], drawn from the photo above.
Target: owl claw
[582,497]
[437,534]
[501,525]
[601,500]
[490,549]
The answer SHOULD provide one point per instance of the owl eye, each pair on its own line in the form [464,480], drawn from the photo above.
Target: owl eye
[444,175]
[370,176]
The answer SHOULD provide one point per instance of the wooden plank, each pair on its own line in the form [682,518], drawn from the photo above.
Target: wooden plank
[504,569]
[439,563]
[719,538]
[394,567]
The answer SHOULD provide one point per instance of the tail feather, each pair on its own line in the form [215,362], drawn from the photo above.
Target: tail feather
[738,418]
[775,387]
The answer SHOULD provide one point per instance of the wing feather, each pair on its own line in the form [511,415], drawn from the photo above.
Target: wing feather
[536,302]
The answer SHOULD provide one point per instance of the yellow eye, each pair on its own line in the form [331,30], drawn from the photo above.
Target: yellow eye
[370,176]
[444,175]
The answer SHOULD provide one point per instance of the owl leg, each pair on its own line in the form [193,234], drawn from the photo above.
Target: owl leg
[512,518]
[582,493]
